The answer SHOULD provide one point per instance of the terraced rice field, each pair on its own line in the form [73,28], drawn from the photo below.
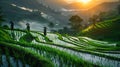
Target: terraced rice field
[58,51]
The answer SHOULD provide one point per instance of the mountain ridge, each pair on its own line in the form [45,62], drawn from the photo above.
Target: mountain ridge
[16,10]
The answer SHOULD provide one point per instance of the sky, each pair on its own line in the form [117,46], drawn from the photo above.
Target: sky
[71,1]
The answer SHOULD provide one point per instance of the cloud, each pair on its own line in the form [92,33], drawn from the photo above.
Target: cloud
[23,8]
[71,1]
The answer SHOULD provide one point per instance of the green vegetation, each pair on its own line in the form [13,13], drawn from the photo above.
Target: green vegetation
[27,38]
[76,22]
[60,36]
[53,51]
[27,55]
[46,38]
[50,49]
[87,48]
[66,57]
[5,26]
[20,53]
[4,35]
[37,49]
[107,30]
[0,56]
[102,16]
[118,44]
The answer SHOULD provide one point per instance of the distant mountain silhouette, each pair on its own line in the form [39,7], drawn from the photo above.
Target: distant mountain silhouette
[75,5]
[103,7]
[79,5]
[57,4]
[18,10]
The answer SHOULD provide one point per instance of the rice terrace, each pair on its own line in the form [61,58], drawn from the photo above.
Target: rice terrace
[39,34]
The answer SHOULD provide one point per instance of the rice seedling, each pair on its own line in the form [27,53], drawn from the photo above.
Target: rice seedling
[65,55]
[27,55]
[74,53]
[27,38]
[54,52]
[7,57]
[0,56]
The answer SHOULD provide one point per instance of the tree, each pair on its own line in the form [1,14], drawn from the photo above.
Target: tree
[5,26]
[94,19]
[102,16]
[76,22]
[108,15]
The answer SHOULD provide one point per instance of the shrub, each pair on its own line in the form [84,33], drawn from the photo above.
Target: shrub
[27,38]
[4,35]
[118,44]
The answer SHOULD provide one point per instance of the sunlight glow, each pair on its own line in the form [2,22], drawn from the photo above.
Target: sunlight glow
[85,1]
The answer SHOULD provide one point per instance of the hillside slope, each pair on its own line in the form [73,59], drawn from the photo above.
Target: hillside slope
[107,6]
[57,50]
[104,7]
[104,30]
[31,11]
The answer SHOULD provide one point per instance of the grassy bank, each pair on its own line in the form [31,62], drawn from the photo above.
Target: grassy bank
[25,54]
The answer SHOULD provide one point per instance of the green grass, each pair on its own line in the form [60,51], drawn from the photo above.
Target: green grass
[71,41]
[60,36]
[27,38]
[91,45]
[8,57]
[92,51]
[107,30]
[118,44]
[25,54]
[0,56]
[46,38]
[66,57]
[95,46]
[4,35]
